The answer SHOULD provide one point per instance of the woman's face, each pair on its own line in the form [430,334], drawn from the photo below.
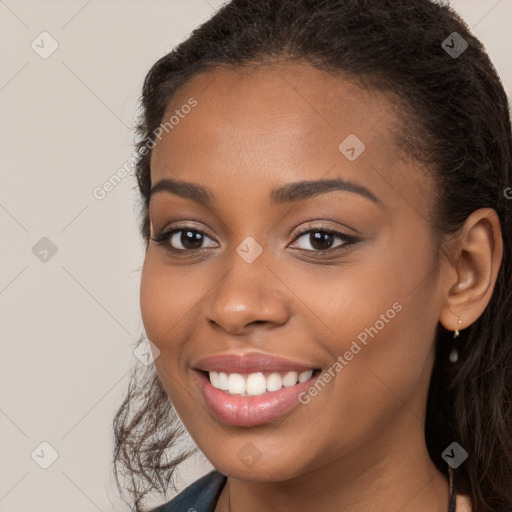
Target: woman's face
[362,306]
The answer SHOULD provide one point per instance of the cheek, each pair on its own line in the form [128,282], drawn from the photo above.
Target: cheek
[159,303]
[390,325]
[383,385]
[149,304]
[382,314]
[160,312]
[171,301]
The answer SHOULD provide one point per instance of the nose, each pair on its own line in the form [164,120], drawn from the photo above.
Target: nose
[248,295]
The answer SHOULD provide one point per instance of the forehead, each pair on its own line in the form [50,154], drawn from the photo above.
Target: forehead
[292,102]
[279,123]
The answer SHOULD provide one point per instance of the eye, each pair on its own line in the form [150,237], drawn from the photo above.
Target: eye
[321,240]
[182,239]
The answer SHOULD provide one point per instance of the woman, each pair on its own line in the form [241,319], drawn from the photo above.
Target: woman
[325,285]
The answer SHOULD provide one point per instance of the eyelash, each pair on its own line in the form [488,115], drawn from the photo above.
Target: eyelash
[163,237]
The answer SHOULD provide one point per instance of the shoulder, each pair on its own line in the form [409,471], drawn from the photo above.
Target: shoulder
[199,495]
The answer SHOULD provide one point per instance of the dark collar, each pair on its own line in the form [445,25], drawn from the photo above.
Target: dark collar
[202,494]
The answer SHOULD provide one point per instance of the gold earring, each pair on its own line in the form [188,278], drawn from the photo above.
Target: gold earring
[454,354]
[456,333]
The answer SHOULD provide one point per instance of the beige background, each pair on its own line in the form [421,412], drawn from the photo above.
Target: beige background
[68,325]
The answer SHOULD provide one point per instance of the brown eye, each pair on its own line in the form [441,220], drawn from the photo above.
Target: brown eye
[182,239]
[322,240]
[187,239]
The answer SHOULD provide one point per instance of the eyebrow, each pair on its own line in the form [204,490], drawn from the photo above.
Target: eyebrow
[291,192]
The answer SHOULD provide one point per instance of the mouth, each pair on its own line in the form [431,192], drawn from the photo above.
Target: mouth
[253,399]
[252,388]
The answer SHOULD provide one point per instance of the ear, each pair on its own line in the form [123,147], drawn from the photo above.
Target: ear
[474,260]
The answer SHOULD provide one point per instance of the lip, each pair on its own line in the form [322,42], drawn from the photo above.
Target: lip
[251,411]
[250,362]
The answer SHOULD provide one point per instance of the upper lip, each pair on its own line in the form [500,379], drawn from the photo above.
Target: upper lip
[249,363]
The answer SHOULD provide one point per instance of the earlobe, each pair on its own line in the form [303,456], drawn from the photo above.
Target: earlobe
[473,269]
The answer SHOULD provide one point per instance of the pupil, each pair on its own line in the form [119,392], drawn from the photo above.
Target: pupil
[188,238]
[321,239]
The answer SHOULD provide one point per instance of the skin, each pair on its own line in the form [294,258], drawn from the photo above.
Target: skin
[359,444]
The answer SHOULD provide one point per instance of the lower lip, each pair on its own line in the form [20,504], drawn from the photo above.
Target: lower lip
[251,411]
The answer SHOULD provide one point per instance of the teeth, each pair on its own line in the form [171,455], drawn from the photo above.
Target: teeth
[222,381]
[290,379]
[256,383]
[305,375]
[236,384]
[274,382]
